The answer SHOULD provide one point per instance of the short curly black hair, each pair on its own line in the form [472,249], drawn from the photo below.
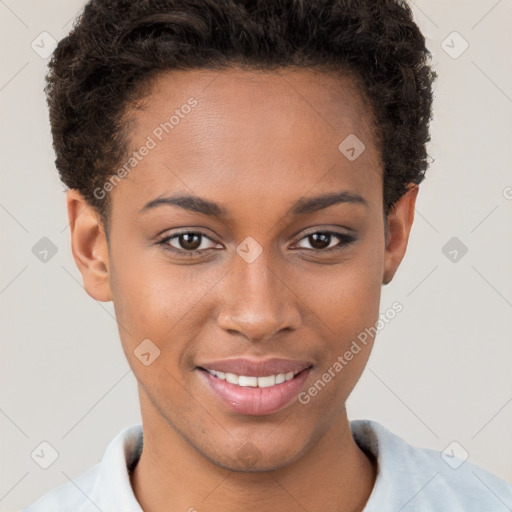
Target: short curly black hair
[104,65]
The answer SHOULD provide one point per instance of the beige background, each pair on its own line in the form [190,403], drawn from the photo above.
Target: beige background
[439,372]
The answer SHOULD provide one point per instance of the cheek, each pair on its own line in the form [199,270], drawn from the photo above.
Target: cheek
[344,298]
[345,302]
[159,301]
[346,310]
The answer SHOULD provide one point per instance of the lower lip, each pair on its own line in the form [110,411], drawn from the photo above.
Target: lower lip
[256,401]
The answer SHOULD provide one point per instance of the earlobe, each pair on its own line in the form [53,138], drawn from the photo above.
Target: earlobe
[89,246]
[400,222]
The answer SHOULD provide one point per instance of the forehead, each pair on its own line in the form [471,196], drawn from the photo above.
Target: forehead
[240,134]
[268,100]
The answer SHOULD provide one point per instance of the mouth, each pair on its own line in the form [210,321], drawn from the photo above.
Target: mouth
[255,388]
[253,381]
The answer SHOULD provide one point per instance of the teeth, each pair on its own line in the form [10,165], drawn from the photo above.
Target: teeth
[265,382]
[280,377]
[253,382]
[230,377]
[245,381]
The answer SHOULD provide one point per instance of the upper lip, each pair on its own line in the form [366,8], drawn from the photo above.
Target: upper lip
[255,367]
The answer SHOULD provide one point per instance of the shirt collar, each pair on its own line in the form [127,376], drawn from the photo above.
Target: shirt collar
[113,490]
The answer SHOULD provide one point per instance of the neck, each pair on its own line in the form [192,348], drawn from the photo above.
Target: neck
[333,475]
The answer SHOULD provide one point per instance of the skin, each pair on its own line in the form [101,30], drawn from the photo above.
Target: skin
[256,143]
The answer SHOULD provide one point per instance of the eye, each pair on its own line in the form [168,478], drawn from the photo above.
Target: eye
[193,243]
[187,243]
[328,241]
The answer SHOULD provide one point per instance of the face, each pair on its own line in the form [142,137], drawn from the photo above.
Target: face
[260,270]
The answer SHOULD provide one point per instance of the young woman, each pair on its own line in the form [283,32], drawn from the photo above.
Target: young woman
[242,177]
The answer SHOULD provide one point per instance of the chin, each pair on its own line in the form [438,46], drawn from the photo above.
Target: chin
[252,457]
[264,464]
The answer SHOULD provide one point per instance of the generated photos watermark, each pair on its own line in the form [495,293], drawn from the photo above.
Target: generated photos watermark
[343,360]
[158,133]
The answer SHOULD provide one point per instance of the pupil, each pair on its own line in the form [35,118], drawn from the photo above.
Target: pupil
[186,243]
[322,243]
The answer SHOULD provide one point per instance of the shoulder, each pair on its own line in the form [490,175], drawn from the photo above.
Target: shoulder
[105,486]
[421,479]
[71,496]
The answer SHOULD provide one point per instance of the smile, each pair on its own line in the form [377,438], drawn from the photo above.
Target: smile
[252,395]
[252,381]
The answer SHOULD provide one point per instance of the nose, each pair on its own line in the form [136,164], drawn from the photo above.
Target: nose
[257,302]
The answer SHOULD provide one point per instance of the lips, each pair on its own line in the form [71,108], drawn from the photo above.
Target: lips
[249,397]
[255,368]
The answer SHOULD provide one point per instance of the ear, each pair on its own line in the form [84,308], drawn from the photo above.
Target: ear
[400,221]
[89,246]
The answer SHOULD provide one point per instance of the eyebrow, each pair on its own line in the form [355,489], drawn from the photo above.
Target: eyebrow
[301,207]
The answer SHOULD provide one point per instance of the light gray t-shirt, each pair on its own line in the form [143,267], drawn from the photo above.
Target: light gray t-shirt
[409,478]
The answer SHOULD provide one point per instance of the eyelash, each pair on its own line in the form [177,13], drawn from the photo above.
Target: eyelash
[345,240]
